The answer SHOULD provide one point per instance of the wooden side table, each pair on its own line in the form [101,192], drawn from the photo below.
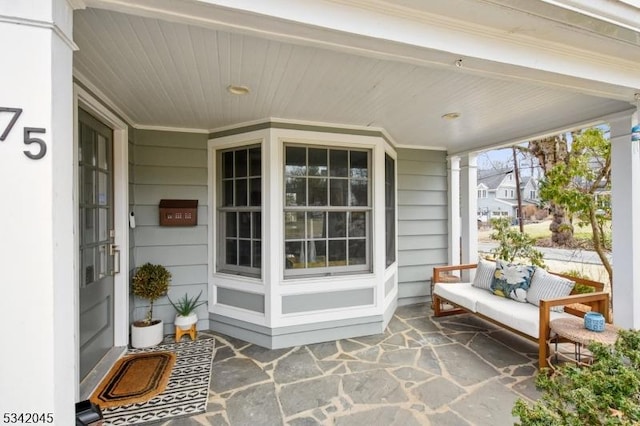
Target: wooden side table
[573,330]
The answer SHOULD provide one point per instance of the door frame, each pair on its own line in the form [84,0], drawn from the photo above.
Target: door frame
[85,100]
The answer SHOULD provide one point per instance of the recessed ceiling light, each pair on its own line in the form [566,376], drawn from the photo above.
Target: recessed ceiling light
[237,90]
[451,115]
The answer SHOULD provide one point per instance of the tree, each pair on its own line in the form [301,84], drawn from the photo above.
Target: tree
[514,245]
[577,183]
[550,152]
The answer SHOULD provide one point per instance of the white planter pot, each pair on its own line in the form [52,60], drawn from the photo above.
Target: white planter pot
[144,337]
[185,323]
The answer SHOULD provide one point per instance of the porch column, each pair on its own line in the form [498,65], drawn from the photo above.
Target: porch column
[625,206]
[37,295]
[453,198]
[469,207]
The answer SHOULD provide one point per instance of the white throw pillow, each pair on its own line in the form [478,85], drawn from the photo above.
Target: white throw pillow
[548,286]
[484,274]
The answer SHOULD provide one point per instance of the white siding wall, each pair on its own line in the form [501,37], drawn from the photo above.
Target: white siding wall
[171,165]
[422,221]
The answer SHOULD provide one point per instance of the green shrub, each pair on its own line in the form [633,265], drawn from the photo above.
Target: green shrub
[513,245]
[606,393]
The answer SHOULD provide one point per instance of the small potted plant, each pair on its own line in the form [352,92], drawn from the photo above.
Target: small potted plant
[150,282]
[185,308]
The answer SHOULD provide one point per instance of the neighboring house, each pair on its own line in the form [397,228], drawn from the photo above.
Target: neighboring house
[498,197]
[331,146]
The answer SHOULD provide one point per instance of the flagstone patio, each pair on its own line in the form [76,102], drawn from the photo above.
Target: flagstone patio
[456,370]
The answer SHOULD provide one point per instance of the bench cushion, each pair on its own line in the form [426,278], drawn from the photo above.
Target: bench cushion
[462,294]
[523,317]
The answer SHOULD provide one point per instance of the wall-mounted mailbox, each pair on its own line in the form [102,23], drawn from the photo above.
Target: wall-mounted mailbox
[178,212]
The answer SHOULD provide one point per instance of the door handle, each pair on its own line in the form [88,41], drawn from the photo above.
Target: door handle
[115,252]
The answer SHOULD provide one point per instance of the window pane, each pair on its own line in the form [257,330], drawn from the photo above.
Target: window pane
[295,162]
[227,188]
[316,254]
[337,253]
[338,162]
[255,162]
[244,225]
[231,252]
[89,187]
[357,252]
[359,166]
[337,224]
[241,192]
[257,254]
[317,162]
[317,191]
[241,163]
[89,225]
[294,255]
[256,192]
[357,224]
[294,225]
[338,192]
[316,225]
[227,164]
[296,192]
[231,226]
[257,225]
[244,253]
[359,194]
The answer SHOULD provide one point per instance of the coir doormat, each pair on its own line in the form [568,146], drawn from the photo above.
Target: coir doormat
[135,378]
[186,392]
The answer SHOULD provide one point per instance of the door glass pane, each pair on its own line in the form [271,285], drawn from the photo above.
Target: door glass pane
[317,191]
[296,192]
[337,224]
[89,225]
[316,225]
[103,224]
[295,161]
[338,163]
[103,150]
[88,148]
[103,267]
[316,254]
[88,262]
[103,188]
[88,185]
[318,165]
[294,225]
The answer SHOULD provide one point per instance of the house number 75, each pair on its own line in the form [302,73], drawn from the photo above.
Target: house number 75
[27,134]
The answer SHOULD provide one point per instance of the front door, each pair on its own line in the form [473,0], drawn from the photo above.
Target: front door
[96,238]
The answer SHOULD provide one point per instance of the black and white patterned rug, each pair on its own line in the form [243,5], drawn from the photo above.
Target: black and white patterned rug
[186,392]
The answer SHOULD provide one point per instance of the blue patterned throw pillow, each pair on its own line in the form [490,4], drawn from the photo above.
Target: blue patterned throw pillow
[511,281]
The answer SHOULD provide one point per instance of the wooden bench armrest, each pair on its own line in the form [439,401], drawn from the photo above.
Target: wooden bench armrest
[598,301]
[439,269]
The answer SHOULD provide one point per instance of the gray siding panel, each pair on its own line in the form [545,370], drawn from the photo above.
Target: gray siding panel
[331,300]
[239,299]
[171,165]
[422,220]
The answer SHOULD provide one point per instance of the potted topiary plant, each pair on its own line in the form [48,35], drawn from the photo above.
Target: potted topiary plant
[150,282]
[185,308]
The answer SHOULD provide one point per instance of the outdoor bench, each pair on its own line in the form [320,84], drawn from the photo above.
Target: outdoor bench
[451,296]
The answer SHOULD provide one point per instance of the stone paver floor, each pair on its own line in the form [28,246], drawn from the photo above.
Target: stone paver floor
[456,370]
